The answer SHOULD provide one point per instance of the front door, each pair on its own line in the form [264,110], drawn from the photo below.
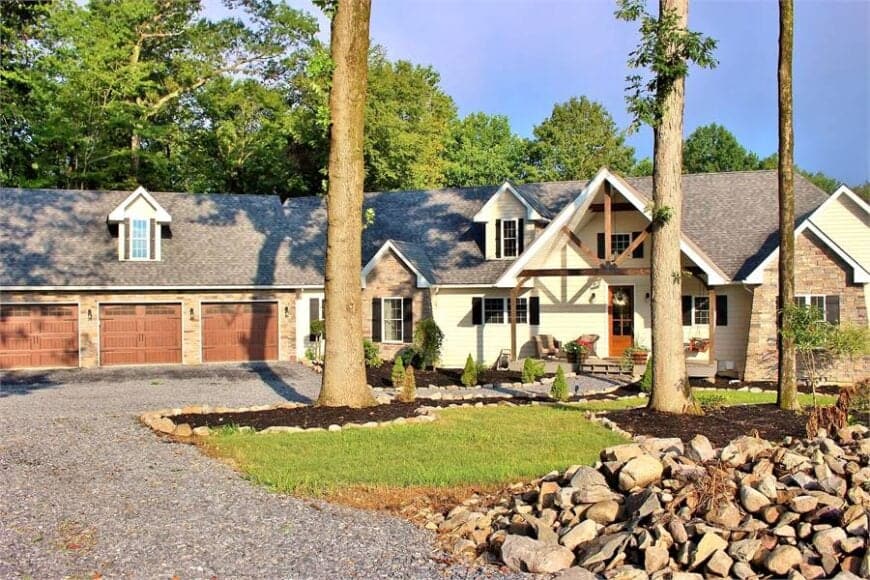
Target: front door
[620,311]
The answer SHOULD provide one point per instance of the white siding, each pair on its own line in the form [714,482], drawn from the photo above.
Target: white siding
[730,341]
[848,226]
[506,206]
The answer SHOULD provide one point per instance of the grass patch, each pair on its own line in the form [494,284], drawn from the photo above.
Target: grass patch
[489,446]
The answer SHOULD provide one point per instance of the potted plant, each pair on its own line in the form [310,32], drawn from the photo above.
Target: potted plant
[574,351]
[699,344]
[637,354]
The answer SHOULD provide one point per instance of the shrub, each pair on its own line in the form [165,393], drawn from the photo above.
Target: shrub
[469,374]
[428,339]
[372,354]
[559,390]
[532,370]
[397,376]
[409,386]
[410,356]
[646,379]
[317,329]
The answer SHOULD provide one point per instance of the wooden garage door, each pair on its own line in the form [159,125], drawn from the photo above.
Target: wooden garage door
[32,336]
[135,334]
[239,331]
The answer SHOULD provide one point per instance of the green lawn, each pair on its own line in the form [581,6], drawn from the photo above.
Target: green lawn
[488,446]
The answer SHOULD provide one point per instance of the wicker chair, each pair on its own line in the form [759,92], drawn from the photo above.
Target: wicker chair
[546,346]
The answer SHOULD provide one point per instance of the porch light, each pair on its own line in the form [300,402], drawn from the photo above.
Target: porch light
[191,314]
[286,312]
[647,297]
[90,314]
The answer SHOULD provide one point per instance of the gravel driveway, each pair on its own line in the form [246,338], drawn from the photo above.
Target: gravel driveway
[84,488]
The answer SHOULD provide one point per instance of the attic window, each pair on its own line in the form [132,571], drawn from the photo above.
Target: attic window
[139,239]
[508,238]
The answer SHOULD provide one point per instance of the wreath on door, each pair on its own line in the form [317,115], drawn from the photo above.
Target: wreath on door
[620,298]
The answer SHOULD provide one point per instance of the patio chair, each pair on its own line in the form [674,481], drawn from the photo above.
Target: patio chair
[589,341]
[546,346]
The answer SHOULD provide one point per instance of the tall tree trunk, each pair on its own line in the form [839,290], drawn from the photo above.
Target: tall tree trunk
[344,376]
[787,393]
[671,392]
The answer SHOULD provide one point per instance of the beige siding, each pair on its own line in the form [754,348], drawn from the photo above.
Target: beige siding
[730,341]
[191,324]
[848,226]
[505,205]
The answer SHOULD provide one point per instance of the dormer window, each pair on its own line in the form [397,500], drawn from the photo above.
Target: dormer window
[509,238]
[139,241]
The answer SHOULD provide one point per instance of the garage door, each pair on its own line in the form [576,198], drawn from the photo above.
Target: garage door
[135,334]
[33,336]
[239,331]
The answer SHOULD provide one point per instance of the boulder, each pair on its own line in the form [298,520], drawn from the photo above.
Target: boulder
[752,499]
[655,558]
[662,445]
[603,512]
[621,453]
[744,550]
[585,531]
[743,449]
[183,430]
[700,449]
[640,472]
[827,541]
[709,543]
[575,573]
[782,559]
[524,554]
[724,514]
[719,564]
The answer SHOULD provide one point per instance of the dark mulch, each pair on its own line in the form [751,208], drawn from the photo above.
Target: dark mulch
[719,425]
[380,377]
[309,417]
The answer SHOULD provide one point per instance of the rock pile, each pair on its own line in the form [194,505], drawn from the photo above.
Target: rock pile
[657,508]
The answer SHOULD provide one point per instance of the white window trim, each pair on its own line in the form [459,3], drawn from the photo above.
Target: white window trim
[614,253]
[710,308]
[807,301]
[148,235]
[500,233]
[384,320]
[505,311]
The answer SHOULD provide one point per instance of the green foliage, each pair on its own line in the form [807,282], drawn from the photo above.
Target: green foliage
[309,353]
[409,386]
[712,148]
[710,399]
[863,190]
[397,376]
[646,380]
[824,182]
[469,373]
[643,168]
[662,214]
[559,390]
[533,369]
[410,356]
[428,339]
[562,151]
[372,354]
[665,52]
[482,150]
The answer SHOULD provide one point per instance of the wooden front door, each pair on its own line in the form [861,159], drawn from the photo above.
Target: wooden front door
[620,312]
[44,335]
[140,334]
[239,331]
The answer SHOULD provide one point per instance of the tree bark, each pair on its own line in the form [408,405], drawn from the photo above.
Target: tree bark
[344,376]
[671,392]
[787,392]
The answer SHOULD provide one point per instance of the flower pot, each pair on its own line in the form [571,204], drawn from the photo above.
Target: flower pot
[639,358]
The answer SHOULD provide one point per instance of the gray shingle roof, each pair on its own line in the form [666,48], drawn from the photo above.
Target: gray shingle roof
[60,237]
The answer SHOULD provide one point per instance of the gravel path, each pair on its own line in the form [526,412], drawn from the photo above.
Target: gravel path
[84,488]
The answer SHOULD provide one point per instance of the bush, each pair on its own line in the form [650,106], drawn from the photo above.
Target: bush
[410,356]
[469,374]
[372,354]
[559,390]
[646,379]
[428,339]
[710,401]
[532,370]
[409,386]
[397,376]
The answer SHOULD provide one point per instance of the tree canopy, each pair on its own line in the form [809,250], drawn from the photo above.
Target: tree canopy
[713,148]
[483,150]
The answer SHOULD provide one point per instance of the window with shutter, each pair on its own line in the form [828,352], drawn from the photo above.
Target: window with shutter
[721,310]
[534,310]
[393,320]
[687,310]
[476,311]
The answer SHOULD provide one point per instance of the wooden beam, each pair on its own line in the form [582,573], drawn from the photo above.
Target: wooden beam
[633,245]
[542,272]
[608,222]
[621,206]
[711,329]
[515,291]
[583,248]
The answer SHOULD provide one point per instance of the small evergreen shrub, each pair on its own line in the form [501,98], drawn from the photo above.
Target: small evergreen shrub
[559,390]
[428,339]
[409,386]
[469,374]
[532,370]
[397,376]
[646,379]
[410,356]
[372,354]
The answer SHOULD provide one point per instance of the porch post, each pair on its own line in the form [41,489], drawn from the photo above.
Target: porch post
[514,294]
[711,328]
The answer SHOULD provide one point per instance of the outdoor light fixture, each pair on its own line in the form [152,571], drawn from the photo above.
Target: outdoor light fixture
[647,296]
[90,314]
[286,312]
[191,313]
[592,297]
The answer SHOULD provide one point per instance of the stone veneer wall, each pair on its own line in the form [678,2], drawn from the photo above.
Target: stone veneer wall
[191,330]
[817,271]
[391,278]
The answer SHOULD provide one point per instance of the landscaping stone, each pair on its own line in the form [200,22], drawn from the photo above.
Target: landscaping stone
[585,531]
[752,499]
[782,559]
[700,449]
[524,554]
[640,472]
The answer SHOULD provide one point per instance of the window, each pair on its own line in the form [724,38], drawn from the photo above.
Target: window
[828,306]
[139,240]
[701,310]
[509,238]
[392,320]
[522,310]
[493,311]
[619,243]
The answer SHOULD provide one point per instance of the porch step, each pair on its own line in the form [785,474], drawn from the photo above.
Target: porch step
[603,367]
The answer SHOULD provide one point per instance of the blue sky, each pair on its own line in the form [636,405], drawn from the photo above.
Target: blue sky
[519,57]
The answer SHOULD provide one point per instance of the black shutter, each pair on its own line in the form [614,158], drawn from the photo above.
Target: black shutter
[127,237]
[601,246]
[498,238]
[477,311]
[408,319]
[313,314]
[721,311]
[638,251]
[687,311]
[152,239]
[534,310]
[376,320]
[521,236]
[832,309]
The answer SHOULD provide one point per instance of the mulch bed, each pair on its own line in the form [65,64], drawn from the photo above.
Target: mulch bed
[380,377]
[719,425]
[724,383]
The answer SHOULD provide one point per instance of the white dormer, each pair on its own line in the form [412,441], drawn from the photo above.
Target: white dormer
[140,219]
[509,223]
